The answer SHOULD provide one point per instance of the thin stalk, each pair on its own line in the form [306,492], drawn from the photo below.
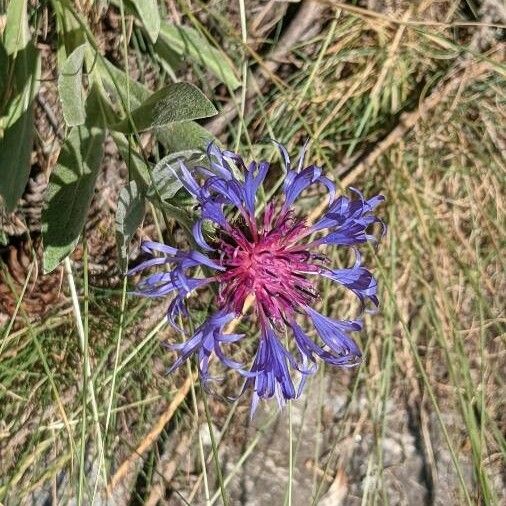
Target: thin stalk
[125,52]
[290,453]
[87,367]
[245,455]
[84,400]
[244,38]
[220,441]
[333,450]
[316,454]
[16,309]
[201,446]
[116,356]
[141,345]
[197,427]
[215,450]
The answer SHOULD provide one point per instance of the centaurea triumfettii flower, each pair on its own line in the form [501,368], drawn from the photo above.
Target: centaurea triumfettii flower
[271,257]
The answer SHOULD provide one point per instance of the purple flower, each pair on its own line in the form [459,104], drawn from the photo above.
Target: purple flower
[273,258]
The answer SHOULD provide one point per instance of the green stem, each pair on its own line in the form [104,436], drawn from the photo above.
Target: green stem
[87,367]
[290,453]
[82,453]
[215,450]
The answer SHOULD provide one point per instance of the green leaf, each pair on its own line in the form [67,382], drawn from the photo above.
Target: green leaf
[175,102]
[3,238]
[166,174]
[183,136]
[23,83]
[129,216]
[188,42]
[17,32]
[16,142]
[15,157]
[4,66]
[69,193]
[109,73]
[69,31]
[98,110]
[70,87]
[150,17]
[181,216]
[135,163]
[169,60]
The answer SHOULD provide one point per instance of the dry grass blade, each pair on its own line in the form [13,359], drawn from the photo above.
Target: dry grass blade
[309,12]
[467,72]
[397,98]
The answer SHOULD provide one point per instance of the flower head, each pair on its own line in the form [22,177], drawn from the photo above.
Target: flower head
[269,256]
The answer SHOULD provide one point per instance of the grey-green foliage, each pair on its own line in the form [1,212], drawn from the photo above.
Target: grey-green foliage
[150,16]
[177,40]
[184,135]
[4,73]
[16,123]
[17,34]
[70,87]
[187,42]
[70,33]
[114,102]
[69,192]
[178,136]
[119,85]
[174,102]
[166,173]
[137,167]
[129,215]
[3,238]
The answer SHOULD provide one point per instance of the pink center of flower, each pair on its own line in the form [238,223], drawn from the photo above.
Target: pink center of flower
[269,265]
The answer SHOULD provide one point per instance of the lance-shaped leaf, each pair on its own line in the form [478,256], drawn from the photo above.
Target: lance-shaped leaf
[16,142]
[15,157]
[70,32]
[69,193]
[129,215]
[150,17]
[187,42]
[17,32]
[175,102]
[4,73]
[184,135]
[70,87]
[119,85]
